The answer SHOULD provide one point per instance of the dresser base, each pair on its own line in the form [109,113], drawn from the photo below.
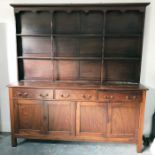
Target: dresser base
[89,113]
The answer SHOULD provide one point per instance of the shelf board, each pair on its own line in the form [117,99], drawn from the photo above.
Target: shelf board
[122,58]
[119,82]
[77,35]
[60,35]
[123,35]
[78,81]
[34,35]
[39,58]
[80,58]
[80,35]
[62,58]
[77,58]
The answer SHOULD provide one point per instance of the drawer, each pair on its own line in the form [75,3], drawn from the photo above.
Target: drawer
[33,93]
[76,95]
[119,96]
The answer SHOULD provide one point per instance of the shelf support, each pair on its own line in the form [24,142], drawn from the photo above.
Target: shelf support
[103,47]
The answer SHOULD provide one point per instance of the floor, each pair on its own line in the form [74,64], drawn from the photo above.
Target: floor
[27,147]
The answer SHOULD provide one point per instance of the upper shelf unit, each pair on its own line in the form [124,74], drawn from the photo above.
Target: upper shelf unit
[82,42]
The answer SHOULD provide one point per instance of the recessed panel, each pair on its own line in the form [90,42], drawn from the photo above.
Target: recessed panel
[35,23]
[92,22]
[91,47]
[65,22]
[27,116]
[66,47]
[122,47]
[37,69]
[36,46]
[90,70]
[67,70]
[122,71]
[60,116]
[93,118]
[129,22]
[123,119]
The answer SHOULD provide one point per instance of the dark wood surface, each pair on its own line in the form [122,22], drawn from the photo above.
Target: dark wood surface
[79,73]
[79,5]
[80,42]
[77,114]
[78,85]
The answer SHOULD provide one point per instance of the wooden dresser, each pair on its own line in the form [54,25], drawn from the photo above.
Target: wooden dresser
[79,73]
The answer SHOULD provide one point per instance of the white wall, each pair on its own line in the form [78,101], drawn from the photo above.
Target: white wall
[7,54]
[8,51]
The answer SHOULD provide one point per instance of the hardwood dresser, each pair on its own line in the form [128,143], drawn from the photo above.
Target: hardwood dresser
[79,73]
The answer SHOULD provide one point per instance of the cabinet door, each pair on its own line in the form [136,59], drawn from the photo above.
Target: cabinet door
[61,118]
[123,119]
[91,119]
[28,116]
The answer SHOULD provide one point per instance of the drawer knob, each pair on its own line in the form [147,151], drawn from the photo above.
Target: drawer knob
[86,96]
[65,95]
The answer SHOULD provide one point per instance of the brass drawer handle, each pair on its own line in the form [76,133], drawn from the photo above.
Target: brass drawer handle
[111,97]
[87,96]
[65,95]
[127,97]
[108,97]
[130,97]
[25,94]
[19,94]
[105,97]
[43,95]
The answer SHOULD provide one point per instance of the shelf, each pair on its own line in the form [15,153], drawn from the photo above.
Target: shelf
[39,58]
[34,35]
[80,58]
[122,58]
[119,83]
[77,58]
[123,35]
[81,82]
[62,58]
[77,35]
[60,35]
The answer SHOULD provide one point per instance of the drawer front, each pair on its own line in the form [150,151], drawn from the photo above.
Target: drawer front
[84,95]
[33,93]
[119,96]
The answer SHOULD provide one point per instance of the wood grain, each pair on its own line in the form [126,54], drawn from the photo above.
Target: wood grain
[141,123]
[79,73]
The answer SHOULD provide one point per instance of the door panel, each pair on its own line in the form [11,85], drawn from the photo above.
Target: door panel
[61,117]
[91,119]
[123,119]
[28,115]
